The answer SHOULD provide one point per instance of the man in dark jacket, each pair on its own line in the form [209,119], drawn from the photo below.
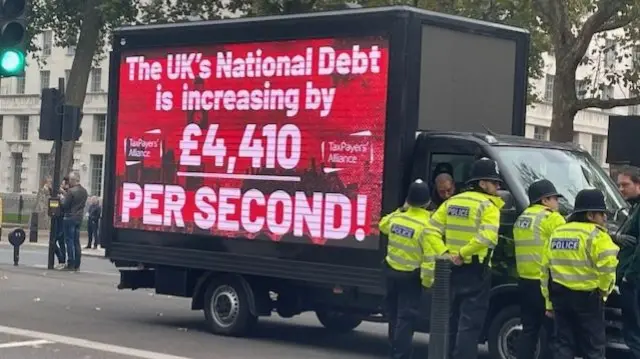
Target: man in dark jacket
[93,222]
[628,272]
[73,201]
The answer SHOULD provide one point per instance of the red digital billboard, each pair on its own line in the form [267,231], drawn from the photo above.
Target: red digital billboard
[279,141]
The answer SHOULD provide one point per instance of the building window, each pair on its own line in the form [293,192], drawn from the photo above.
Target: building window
[96,80]
[43,166]
[96,175]
[607,92]
[635,56]
[581,88]
[45,79]
[576,138]
[47,42]
[21,85]
[99,127]
[540,133]
[597,147]
[548,87]
[1,126]
[634,110]
[609,53]
[23,128]
[66,76]
[71,51]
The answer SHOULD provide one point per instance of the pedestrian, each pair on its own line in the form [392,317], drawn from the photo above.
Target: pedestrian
[73,200]
[578,274]
[468,223]
[405,229]
[59,248]
[93,222]
[531,234]
[628,273]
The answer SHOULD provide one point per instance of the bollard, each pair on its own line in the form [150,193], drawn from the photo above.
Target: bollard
[33,228]
[440,309]
[16,238]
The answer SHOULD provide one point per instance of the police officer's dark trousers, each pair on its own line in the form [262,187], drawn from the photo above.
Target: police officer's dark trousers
[403,304]
[470,288]
[630,305]
[535,325]
[579,323]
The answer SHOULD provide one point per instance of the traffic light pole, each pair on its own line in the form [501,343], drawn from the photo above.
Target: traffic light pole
[56,221]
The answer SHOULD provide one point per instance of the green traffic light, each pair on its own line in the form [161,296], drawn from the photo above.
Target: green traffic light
[11,62]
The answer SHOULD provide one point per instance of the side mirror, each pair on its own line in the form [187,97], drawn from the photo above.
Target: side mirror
[507,197]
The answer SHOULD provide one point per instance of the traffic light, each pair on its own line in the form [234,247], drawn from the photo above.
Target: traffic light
[50,114]
[71,118]
[13,39]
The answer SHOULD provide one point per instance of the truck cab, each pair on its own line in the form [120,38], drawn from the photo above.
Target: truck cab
[521,162]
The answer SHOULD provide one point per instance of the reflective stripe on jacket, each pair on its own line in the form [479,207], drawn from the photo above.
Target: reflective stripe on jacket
[531,233]
[580,256]
[403,230]
[468,223]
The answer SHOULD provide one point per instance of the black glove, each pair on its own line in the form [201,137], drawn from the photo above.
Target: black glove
[625,240]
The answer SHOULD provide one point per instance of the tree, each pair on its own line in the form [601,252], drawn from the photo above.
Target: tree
[86,24]
[82,24]
[576,26]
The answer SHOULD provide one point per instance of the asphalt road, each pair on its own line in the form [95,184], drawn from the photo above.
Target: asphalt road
[54,315]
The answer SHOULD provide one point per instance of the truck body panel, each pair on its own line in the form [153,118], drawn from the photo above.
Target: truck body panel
[448,89]
[412,36]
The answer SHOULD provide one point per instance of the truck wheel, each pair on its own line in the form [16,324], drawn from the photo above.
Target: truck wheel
[226,308]
[338,321]
[504,332]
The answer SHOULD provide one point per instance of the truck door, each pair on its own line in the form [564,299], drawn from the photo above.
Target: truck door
[460,154]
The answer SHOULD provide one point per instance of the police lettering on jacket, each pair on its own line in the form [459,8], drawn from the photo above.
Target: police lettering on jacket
[565,244]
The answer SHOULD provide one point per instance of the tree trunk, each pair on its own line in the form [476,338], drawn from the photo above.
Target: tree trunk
[564,100]
[76,90]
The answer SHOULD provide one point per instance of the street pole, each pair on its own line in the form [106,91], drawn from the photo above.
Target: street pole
[56,223]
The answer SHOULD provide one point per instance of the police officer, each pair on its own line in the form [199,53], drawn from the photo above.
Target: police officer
[405,228]
[578,273]
[531,233]
[468,222]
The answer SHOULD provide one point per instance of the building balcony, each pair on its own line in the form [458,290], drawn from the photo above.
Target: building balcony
[589,120]
[30,104]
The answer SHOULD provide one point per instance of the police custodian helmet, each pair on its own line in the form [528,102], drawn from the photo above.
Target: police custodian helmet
[590,200]
[542,189]
[484,169]
[419,194]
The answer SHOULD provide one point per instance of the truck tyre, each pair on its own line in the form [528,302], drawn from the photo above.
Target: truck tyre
[226,308]
[504,331]
[338,321]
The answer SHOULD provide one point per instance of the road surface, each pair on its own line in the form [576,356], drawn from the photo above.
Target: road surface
[55,315]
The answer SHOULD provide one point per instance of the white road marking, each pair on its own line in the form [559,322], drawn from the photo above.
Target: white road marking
[27,343]
[88,344]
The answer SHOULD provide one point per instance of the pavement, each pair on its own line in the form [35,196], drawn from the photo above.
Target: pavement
[43,241]
[65,315]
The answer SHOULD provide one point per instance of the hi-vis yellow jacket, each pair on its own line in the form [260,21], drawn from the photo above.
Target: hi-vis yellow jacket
[468,223]
[580,256]
[406,250]
[531,233]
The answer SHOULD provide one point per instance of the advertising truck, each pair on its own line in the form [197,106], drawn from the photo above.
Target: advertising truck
[250,160]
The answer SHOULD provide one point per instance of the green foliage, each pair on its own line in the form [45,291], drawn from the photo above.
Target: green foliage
[64,18]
